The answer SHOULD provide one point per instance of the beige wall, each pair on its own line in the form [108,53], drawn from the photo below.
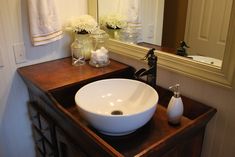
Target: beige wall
[219,139]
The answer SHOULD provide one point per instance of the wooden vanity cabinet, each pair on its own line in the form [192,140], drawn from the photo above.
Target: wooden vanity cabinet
[49,126]
[60,131]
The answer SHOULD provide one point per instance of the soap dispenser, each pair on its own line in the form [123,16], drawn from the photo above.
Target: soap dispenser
[175,107]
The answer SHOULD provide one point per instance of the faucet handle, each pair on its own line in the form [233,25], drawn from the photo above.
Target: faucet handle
[183,44]
[149,54]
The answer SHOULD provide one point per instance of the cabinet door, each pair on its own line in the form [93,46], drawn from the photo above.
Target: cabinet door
[49,149]
[38,139]
[66,148]
[33,115]
[39,153]
[46,128]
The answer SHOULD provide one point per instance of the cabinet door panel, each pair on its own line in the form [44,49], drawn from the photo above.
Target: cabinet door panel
[38,138]
[46,128]
[39,153]
[66,147]
[33,114]
[49,151]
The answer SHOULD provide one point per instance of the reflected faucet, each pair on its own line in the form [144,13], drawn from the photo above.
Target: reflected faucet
[182,50]
[151,73]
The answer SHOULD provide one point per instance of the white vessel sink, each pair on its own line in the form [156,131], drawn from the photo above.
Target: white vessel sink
[117,106]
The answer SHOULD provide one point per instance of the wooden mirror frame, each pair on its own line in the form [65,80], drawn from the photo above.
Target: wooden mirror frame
[223,76]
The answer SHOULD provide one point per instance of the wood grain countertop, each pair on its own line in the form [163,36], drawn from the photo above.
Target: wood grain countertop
[58,73]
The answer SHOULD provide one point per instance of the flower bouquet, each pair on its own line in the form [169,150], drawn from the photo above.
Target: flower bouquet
[84,24]
[112,24]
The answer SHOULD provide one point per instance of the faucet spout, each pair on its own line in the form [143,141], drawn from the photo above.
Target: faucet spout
[151,73]
[140,73]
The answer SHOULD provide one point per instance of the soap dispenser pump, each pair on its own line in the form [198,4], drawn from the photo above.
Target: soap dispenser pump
[175,107]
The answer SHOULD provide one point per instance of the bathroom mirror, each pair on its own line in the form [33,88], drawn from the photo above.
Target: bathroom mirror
[221,76]
[165,23]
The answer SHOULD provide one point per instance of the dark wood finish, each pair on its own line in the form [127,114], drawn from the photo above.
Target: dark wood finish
[55,99]
[66,147]
[59,73]
[43,131]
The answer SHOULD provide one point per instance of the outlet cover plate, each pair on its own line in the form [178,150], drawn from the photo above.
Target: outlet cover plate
[19,51]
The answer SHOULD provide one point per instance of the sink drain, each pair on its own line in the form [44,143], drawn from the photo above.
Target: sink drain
[116,112]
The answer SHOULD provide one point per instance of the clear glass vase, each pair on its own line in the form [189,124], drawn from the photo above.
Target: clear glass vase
[78,56]
[113,33]
[81,49]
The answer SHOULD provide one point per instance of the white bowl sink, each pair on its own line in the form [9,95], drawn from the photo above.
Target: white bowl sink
[117,106]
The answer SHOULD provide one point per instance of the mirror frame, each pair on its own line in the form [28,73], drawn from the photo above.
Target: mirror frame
[223,76]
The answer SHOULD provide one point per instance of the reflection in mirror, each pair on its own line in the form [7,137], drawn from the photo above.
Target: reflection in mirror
[203,25]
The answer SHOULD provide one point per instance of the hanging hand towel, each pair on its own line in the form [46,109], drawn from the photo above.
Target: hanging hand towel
[44,22]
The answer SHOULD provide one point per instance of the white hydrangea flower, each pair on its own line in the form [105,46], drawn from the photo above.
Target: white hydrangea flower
[115,21]
[82,24]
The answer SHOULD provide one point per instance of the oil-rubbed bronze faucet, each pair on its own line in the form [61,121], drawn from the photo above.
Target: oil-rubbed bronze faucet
[182,50]
[151,73]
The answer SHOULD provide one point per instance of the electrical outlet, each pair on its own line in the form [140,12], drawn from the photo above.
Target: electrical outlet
[1,60]
[19,51]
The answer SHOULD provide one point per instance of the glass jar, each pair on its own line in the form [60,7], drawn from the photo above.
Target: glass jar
[131,33]
[81,48]
[77,53]
[99,38]
[99,55]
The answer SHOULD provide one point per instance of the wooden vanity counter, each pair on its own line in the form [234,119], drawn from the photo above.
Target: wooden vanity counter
[58,73]
[52,86]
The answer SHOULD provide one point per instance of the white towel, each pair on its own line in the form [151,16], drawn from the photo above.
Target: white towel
[45,26]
